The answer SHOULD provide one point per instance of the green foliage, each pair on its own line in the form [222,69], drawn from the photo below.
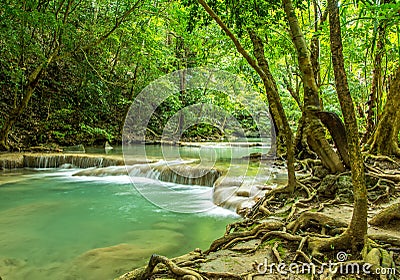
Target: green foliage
[84,94]
[96,132]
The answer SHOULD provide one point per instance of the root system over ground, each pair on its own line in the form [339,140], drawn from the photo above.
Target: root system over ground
[297,236]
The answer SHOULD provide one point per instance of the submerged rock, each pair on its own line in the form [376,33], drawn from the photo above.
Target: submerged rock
[96,263]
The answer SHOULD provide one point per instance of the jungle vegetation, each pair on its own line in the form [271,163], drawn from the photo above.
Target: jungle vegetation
[328,70]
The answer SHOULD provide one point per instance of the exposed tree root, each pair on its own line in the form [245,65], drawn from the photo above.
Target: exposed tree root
[276,253]
[318,245]
[187,274]
[386,215]
[304,226]
[385,238]
[299,251]
[261,207]
[309,219]
[235,237]
[244,224]
[390,177]
[278,234]
[381,158]
[221,275]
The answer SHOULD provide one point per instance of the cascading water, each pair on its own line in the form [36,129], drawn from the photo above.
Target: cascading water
[61,225]
[80,161]
[235,193]
[173,171]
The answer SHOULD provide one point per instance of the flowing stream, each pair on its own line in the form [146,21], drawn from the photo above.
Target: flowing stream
[54,225]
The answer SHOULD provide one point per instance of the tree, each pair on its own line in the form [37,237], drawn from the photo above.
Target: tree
[385,139]
[355,235]
[260,65]
[60,43]
[376,85]
[314,129]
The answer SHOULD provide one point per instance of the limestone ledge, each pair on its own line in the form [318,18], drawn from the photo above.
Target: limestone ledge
[54,160]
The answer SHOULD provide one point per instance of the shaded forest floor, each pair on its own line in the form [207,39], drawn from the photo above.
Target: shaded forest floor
[273,239]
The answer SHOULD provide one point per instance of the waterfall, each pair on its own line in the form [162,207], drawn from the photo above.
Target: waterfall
[241,193]
[231,192]
[11,161]
[188,175]
[173,172]
[80,161]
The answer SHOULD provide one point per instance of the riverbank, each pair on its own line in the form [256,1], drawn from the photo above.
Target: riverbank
[265,251]
[276,239]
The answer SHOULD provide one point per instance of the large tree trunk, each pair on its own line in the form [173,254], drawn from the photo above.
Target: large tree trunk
[376,85]
[357,229]
[314,129]
[385,139]
[262,68]
[336,128]
[275,102]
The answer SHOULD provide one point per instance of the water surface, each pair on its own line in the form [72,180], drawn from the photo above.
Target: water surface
[55,226]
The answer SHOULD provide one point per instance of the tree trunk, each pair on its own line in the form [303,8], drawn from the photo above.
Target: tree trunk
[315,43]
[13,117]
[385,139]
[338,132]
[262,68]
[357,229]
[376,85]
[314,129]
[275,102]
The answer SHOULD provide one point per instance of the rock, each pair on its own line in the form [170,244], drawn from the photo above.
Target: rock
[253,157]
[189,277]
[11,161]
[107,147]
[96,263]
[245,190]
[66,166]
[373,257]
[387,260]
[332,185]
[345,188]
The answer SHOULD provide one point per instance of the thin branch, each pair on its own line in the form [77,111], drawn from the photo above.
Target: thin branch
[238,46]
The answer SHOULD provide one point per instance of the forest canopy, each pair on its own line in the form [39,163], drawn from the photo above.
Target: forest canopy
[70,69]
[328,70]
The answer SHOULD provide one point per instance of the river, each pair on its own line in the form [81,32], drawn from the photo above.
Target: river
[54,225]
